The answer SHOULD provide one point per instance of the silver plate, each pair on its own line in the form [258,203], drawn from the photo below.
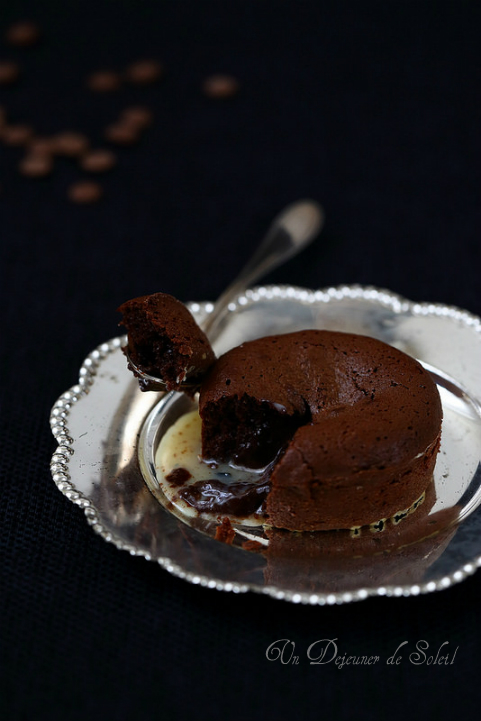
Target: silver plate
[107,429]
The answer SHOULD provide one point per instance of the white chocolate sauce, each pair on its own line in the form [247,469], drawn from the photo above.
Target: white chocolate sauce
[180,448]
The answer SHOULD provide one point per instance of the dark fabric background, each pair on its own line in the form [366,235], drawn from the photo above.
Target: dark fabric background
[372,108]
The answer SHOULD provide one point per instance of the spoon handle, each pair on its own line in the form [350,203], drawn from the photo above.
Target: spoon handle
[290,232]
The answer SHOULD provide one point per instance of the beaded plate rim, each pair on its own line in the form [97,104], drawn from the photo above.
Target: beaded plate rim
[59,465]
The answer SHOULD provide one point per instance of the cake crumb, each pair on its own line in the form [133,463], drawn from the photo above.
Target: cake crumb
[225,532]
[178,476]
[251,545]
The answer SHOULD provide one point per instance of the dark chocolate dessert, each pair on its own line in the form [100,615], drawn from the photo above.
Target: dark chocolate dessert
[164,340]
[354,423]
[347,426]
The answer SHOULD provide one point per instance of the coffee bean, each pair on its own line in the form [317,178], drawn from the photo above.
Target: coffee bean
[144,72]
[220,86]
[35,165]
[122,134]
[103,81]
[41,146]
[16,135]
[9,72]
[98,161]
[22,34]
[85,191]
[70,144]
[3,117]
[137,117]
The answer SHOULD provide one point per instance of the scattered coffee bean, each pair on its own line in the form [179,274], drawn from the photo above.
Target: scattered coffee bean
[41,146]
[3,117]
[103,81]
[137,116]
[144,72]
[9,72]
[36,165]
[85,191]
[70,144]
[98,161]
[220,86]
[16,135]
[22,34]
[122,134]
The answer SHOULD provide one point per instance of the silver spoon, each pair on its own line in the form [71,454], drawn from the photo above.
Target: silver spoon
[290,232]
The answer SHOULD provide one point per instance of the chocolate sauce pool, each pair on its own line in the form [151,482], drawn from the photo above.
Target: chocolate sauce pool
[240,498]
[195,486]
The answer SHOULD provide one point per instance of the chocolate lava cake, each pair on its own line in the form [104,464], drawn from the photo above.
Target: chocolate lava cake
[349,426]
[164,340]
